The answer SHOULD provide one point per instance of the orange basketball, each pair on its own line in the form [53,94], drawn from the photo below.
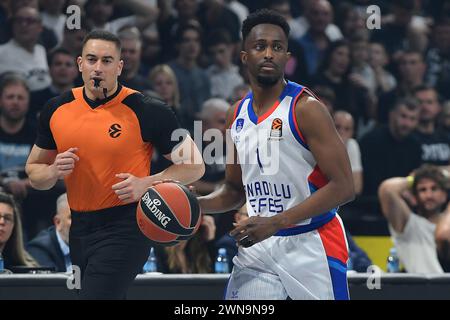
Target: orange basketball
[168,213]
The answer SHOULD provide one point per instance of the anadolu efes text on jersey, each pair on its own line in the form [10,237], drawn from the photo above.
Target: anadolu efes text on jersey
[278,169]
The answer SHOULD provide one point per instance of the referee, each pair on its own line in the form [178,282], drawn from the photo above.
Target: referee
[99,138]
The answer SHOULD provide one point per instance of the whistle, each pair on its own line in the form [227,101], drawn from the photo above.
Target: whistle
[96,83]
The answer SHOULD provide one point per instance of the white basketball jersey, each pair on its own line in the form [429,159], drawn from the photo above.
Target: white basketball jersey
[278,169]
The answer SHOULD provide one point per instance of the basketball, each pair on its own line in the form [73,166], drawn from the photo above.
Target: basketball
[168,213]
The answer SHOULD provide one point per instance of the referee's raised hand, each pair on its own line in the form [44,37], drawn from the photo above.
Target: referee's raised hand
[65,162]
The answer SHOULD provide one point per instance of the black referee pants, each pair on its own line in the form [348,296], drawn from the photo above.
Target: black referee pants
[109,249]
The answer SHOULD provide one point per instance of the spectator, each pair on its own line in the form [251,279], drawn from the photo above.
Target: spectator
[193,81]
[435,144]
[239,9]
[51,246]
[53,17]
[47,37]
[223,74]
[73,39]
[351,96]
[213,116]
[214,15]
[185,11]
[326,96]
[11,236]
[99,13]
[390,151]
[131,56]
[362,73]
[22,54]
[17,135]
[438,58]
[378,60]
[423,236]
[151,51]
[165,85]
[239,93]
[400,33]
[316,12]
[298,26]
[345,127]
[445,119]
[316,41]
[63,71]
[412,71]
[350,20]
[295,69]
[192,256]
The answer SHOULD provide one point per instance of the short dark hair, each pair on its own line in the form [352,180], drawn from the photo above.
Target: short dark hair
[178,32]
[423,87]
[264,16]
[325,92]
[103,35]
[431,172]
[11,78]
[326,60]
[219,36]
[414,52]
[410,103]
[53,53]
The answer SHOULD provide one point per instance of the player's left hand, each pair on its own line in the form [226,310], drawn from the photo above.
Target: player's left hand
[253,230]
[130,189]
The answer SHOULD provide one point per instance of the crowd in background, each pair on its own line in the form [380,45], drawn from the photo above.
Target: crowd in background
[387,89]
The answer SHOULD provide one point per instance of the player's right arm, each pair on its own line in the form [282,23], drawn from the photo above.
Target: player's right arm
[393,206]
[231,195]
[44,167]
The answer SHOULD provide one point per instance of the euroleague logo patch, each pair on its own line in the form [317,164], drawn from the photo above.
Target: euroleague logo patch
[276,130]
[115,130]
[239,125]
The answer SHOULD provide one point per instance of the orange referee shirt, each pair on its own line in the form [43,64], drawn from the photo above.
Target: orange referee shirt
[113,135]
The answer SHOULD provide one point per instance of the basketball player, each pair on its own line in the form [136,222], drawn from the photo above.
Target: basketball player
[293,245]
[99,138]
